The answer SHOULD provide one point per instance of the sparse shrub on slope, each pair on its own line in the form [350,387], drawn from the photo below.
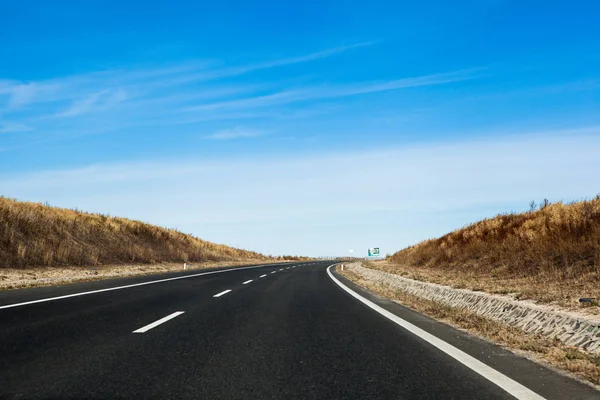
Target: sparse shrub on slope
[558,238]
[34,234]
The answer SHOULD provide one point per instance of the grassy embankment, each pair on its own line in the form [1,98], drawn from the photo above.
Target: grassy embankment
[549,255]
[37,240]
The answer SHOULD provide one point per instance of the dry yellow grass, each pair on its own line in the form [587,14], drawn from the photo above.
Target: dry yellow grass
[33,234]
[548,255]
[17,278]
[544,288]
[580,364]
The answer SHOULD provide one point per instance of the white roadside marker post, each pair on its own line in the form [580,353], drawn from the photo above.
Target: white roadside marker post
[184,266]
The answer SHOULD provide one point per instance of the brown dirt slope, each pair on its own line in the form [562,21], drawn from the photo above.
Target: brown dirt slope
[34,234]
[558,240]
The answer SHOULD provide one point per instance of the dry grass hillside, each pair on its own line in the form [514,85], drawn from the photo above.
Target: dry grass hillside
[33,235]
[563,238]
[549,254]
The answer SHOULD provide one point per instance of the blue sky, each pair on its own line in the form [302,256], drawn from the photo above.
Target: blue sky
[312,128]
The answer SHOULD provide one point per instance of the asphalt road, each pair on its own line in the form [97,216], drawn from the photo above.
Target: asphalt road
[270,332]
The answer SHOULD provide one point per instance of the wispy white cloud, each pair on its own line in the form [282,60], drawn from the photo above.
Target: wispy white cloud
[7,127]
[95,101]
[82,106]
[426,80]
[332,91]
[300,59]
[22,94]
[235,133]
[240,70]
[117,96]
[273,114]
[76,95]
[6,86]
[521,92]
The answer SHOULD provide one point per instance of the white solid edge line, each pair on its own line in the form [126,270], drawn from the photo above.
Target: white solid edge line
[222,293]
[245,283]
[262,276]
[160,321]
[504,382]
[125,287]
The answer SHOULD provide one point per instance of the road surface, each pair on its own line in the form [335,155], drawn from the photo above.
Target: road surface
[284,331]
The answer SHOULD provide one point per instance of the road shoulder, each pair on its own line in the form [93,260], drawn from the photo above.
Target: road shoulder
[544,381]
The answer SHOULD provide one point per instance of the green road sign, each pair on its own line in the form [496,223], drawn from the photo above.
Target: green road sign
[374,252]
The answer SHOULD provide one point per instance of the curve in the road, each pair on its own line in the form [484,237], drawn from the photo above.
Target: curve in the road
[514,388]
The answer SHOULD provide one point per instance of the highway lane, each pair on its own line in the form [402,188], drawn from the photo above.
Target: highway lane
[24,295]
[269,332]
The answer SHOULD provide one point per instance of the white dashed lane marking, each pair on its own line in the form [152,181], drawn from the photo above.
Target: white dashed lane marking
[67,296]
[156,323]
[222,293]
